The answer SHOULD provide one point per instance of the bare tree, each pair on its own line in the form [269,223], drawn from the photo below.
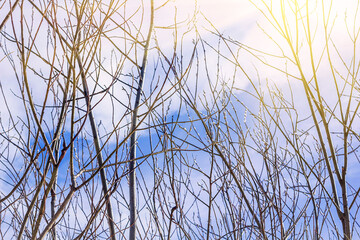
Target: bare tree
[73,51]
[110,131]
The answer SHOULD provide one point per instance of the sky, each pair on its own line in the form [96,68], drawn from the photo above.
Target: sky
[238,20]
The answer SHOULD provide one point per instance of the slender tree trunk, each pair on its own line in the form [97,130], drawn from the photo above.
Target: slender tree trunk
[98,153]
[132,164]
[53,189]
[345,218]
